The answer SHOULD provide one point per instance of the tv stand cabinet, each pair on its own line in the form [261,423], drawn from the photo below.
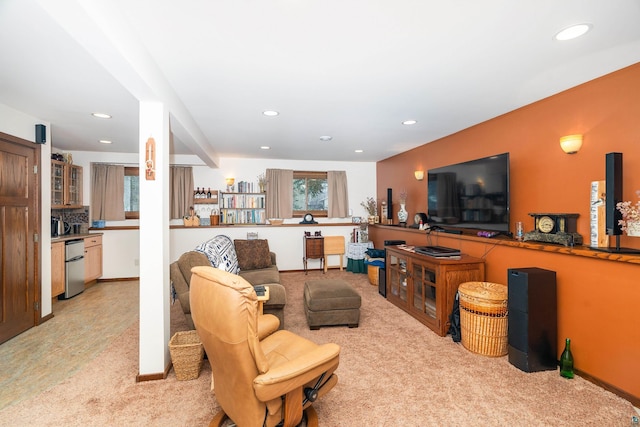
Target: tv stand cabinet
[425,287]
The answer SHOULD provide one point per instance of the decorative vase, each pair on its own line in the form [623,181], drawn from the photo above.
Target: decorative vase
[633,229]
[402,213]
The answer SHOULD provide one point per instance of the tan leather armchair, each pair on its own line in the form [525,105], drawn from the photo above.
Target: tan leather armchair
[261,375]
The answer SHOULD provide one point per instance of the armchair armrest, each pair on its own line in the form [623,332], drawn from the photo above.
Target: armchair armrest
[267,324]
[295,373]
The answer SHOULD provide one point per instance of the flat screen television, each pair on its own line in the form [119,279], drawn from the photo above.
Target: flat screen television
[470,195]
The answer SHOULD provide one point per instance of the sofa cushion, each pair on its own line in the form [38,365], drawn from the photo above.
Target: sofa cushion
[252,254]
[261,276]
[221,253]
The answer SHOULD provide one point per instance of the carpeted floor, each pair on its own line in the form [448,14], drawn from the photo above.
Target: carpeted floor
[393,372]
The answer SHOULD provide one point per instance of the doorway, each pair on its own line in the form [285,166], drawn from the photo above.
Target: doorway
[19,223]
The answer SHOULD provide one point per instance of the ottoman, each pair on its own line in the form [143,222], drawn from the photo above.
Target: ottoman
[329,302]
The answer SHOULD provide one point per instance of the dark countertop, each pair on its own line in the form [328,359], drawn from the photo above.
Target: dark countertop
[73,237]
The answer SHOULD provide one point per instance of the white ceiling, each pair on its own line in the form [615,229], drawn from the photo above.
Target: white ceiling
[351,69]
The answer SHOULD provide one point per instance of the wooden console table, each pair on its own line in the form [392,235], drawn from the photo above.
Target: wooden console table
[425,287]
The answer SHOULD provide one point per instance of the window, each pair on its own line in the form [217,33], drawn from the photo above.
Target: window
[310,193]
[131,193]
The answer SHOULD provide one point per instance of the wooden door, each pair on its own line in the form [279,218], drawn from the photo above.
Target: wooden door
[19,218]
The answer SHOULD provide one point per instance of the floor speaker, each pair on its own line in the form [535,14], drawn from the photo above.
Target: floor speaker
[532,331]
[389,205]
[382,282]
[613,187]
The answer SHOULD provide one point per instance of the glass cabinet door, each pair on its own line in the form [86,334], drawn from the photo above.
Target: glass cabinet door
[75,186]
[398,277]
[57,183]
[424,291]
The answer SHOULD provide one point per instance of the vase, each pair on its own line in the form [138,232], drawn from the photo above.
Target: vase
[402,213]
[633,229]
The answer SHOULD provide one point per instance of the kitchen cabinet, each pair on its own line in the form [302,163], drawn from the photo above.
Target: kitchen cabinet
[66,185]
[92,258]
[425,287]
[57,269]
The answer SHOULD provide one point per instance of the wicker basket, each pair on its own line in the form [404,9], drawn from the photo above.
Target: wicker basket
[372,271]
[483,317]
[186,354]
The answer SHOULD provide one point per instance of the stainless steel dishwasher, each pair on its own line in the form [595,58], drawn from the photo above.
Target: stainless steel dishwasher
[74,268]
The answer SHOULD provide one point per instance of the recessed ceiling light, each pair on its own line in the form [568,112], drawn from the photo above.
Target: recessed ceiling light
[326,138]
[573,32]
[409,122]
[101,115]
[265,147]
[270,113]
[359,151]
[105,141]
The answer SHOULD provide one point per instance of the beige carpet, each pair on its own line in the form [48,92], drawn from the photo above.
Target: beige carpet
[393,372]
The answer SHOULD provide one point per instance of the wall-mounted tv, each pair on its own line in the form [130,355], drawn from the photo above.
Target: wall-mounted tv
[471,195]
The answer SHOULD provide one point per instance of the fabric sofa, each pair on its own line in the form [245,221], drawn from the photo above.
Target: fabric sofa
[250,259]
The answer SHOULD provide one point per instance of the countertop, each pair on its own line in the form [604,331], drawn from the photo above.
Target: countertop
[73,237]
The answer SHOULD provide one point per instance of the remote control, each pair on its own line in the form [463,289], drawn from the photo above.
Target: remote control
[260,290]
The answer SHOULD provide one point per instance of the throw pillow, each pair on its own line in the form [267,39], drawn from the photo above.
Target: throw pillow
[221,253]
[253,254]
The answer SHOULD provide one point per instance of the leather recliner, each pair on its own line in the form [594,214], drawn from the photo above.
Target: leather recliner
[261,375]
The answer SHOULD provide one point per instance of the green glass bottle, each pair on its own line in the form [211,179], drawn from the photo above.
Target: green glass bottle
[566,361]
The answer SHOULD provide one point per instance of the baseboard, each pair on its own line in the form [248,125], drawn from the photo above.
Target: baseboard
[45,318]
[153,377]
[122,279]
[635,401]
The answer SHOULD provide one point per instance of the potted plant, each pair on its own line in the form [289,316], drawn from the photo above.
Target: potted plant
[630,222]
[371,206]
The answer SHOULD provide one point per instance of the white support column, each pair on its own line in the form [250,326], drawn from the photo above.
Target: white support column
[154,243]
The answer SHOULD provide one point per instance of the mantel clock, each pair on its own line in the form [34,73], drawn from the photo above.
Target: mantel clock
[554,228]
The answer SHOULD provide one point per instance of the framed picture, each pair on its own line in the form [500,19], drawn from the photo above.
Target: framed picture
[356,219]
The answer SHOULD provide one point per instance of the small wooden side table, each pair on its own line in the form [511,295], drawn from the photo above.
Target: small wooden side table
[262,299]
[313,249]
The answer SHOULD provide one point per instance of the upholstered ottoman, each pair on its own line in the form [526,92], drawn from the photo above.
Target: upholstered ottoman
[330,302]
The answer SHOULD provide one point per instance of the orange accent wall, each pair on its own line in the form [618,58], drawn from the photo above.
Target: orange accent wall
[598,300]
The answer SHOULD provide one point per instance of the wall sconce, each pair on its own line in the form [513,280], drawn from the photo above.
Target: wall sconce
[229,182]
[419,175]
[571,143]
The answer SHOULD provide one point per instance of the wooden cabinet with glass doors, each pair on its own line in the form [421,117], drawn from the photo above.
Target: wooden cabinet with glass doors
[425,287]
[66,185]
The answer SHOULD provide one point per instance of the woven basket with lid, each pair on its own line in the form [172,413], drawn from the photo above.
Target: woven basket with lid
[483,317]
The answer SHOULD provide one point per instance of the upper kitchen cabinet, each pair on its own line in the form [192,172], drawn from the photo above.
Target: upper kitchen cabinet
[66,185]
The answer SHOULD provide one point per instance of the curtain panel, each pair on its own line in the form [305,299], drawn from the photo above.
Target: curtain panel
[338,194]
[279,193]
[180,190]
[107,192]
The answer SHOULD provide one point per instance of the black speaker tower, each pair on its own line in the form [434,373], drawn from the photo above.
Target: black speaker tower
[533,336]
[613,187]
[389,205]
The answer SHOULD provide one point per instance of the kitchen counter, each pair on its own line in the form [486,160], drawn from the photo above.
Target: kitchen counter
[73,236]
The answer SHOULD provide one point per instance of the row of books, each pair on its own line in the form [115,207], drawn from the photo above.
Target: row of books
[247,187]
[242,201]
[249,216]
